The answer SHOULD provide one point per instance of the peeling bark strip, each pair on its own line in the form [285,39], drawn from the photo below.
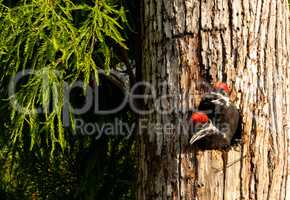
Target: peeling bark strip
[245,43]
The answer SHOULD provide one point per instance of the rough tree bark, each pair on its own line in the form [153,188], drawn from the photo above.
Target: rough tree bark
[242,42]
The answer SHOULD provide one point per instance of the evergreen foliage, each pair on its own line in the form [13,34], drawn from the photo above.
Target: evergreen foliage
[63,41]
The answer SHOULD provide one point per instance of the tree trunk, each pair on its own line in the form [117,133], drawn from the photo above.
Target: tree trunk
[244,43]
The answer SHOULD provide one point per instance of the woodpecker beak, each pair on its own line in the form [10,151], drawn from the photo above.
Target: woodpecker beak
[197,137]
[206,130]
[221,100]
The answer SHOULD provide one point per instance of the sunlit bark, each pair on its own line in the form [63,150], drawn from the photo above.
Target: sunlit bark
[244,43]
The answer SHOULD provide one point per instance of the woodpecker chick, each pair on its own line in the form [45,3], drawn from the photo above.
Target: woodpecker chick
[222,117]
[200,121]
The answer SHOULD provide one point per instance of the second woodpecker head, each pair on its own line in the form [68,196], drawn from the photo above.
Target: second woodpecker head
[221,88]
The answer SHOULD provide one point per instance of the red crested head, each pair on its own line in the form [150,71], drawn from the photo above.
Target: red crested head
[222,86]
[199,117]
